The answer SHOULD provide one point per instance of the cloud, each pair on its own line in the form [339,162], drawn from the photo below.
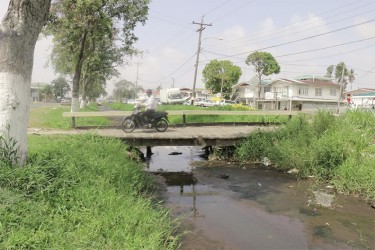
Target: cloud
[235,32]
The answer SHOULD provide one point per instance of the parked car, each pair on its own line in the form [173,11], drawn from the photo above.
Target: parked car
[205,103]
[226,102]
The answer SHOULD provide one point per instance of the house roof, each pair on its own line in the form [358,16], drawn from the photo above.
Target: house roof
[316,82]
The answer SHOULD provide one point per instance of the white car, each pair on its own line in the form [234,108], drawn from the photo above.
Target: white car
[206,103]
[226,102]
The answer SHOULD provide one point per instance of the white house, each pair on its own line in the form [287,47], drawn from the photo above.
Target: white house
[363,97]
[302,93]
[248,92]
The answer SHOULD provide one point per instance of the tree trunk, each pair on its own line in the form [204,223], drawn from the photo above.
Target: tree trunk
[77,74]
[19,31]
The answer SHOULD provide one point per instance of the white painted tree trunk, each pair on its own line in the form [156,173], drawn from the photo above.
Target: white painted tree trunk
[83,104]
[75,104]
[14,110]
[19,31]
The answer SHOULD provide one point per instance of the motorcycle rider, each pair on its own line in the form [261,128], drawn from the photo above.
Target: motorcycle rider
[150,105]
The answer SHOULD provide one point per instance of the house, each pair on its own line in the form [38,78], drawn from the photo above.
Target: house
[302,93]
[363,97]
[248,92]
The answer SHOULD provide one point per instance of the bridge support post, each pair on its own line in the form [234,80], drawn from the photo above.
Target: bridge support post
[148,151]
[73,122]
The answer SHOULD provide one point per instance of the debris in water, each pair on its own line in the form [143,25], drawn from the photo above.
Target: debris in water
[175,153]
[223,176]
[266,162]
[260,185]
[293,171]
[323,199]
[290,186]
[373,205]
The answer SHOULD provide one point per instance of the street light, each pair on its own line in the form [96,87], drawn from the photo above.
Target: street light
[197,61]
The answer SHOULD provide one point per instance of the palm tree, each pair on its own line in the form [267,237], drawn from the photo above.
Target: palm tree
[351,77]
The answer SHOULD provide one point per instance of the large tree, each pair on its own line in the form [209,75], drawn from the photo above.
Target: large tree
[220,76]
[341,74]
[60,87]
[19,31]
[264,64]
[123,89]
[80,27]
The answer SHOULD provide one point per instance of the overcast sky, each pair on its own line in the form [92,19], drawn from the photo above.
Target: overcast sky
[305,37]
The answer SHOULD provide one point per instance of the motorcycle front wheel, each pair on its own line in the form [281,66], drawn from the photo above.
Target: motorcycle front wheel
[128,125]
[161,125]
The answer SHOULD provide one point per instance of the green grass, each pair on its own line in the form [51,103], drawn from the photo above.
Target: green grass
[339,150]
[52,117]
[81,192]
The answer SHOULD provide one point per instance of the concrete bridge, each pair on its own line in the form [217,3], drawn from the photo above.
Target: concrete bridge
[174,136]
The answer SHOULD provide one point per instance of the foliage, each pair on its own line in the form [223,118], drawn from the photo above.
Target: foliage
[81,192]
[220,76]
[8,149]
[334,149]
[341,73]
[92,37]
[60,87]
[264,64]
[124,89]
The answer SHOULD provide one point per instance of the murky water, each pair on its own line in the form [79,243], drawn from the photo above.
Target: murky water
[226,206]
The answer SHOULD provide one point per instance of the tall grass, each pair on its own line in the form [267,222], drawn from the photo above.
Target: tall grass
[339,150]
[80,192]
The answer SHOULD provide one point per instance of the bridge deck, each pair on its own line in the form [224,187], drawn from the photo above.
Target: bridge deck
[178,136]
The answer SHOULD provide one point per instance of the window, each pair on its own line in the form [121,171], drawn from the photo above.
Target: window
[303,90]
[332,92]
[318,92]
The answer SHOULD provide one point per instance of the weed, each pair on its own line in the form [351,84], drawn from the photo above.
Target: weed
[8,149]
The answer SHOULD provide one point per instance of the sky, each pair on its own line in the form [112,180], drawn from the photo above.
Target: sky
[304,36]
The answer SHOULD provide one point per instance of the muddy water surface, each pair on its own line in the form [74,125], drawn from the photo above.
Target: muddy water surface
[228,206]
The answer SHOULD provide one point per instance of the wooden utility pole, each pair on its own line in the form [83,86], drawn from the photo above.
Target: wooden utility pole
[201,28]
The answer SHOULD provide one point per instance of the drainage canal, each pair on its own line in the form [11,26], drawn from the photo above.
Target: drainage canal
[233,206]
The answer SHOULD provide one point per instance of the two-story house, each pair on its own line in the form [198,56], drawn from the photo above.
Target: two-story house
[249,92]
[302,93]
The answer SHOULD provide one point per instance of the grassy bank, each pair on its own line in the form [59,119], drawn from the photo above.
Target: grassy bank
[339,150]
[80,192]
[52,117]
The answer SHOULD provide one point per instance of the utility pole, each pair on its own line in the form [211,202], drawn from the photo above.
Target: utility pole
[136,83]
[172,82]
[201,28]
[341,88]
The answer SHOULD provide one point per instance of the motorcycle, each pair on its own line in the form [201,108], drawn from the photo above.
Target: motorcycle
[158,120]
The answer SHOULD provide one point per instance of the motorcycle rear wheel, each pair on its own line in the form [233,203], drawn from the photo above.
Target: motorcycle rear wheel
[128,125]
[161,125]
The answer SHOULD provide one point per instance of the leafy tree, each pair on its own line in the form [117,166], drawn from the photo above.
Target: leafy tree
[341,74]
[80,28]
[220,76]
[19,31]
[123,89]
[46,92]
[264,64]
[60,87]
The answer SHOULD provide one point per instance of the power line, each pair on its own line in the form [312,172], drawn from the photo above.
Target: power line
[176,69]
[337,45]
[309,37]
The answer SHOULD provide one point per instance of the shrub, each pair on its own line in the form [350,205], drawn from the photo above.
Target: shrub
[81,192]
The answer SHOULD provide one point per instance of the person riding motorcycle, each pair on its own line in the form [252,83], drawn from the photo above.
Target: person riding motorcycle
[151,105]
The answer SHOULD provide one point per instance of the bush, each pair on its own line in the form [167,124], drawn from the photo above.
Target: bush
[81,192]
[337,149]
